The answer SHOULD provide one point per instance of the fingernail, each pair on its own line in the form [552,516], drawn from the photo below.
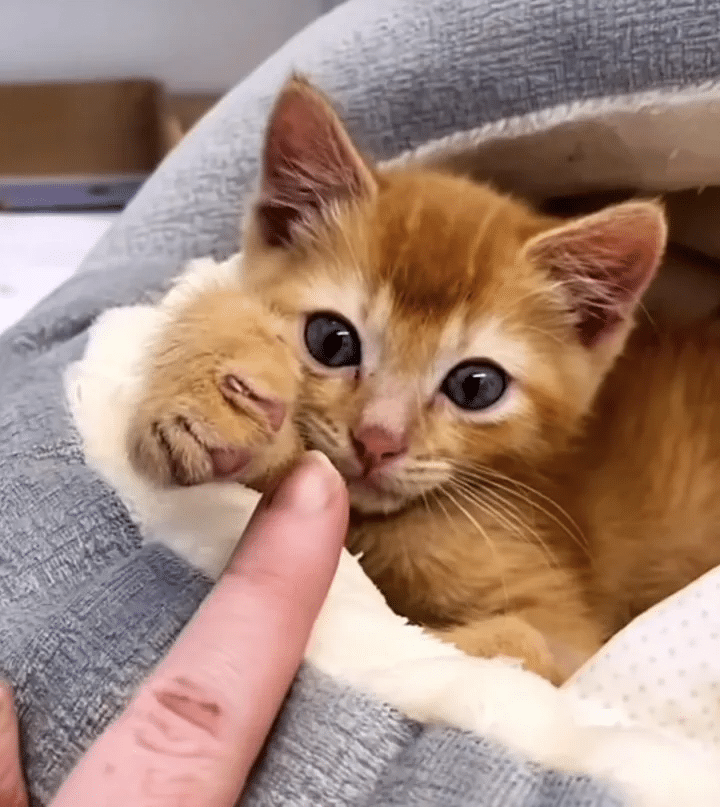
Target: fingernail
[310,487]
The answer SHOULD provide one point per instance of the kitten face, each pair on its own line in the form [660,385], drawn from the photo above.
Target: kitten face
[450,339]
[443,329]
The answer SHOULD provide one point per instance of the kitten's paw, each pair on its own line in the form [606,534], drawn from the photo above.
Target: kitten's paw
[224,433]
[217,403]
[507,637]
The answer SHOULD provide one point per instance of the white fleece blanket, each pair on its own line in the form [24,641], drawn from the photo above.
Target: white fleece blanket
[644,713]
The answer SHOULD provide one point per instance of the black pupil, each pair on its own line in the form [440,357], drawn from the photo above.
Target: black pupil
[332,341]
[475,386]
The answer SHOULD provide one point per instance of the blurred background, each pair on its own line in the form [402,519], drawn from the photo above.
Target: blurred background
[93,93]
[192,46]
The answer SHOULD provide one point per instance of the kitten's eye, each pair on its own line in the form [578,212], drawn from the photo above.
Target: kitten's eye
[475,385]
[332,340]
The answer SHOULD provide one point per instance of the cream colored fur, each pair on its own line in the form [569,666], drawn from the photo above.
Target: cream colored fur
[357,639]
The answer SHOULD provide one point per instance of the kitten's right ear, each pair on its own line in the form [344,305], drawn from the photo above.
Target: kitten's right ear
[309,162]
[604,262]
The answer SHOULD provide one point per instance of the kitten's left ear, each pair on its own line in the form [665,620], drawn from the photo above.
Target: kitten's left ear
[605,261]
[309,162]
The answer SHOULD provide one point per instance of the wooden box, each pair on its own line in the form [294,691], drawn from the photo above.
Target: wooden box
[86,145]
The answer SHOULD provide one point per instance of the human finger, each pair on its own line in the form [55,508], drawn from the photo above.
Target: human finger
[195,727]
[12,786]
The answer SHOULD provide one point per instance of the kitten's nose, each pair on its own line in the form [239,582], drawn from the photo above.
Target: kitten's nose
[376,445]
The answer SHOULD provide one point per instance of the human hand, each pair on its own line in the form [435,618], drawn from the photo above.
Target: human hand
[193,730]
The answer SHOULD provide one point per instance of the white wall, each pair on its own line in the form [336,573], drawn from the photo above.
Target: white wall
[192,45]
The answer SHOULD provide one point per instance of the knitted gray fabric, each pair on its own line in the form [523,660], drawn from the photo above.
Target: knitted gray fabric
[85,609]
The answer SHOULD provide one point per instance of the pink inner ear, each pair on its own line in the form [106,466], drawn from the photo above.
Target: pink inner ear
[606,261]
[309,161]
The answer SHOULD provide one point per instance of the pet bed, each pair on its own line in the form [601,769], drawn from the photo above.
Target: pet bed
[552,98]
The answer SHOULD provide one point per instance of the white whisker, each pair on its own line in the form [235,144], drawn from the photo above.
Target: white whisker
[488,541]
[526,493]
[517,525]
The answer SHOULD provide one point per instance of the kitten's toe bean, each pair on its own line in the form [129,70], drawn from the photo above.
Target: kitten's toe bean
[239,389]
[229,461]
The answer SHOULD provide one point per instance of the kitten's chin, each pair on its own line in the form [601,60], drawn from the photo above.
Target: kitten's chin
[371,501]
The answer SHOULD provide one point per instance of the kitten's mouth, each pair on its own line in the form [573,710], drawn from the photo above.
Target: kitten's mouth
[367,482]
[367,479]
[369,491]
[371,494]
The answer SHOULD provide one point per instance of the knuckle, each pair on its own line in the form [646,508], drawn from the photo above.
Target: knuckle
[179,718]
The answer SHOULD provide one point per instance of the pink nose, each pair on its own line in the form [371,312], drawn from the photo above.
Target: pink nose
[376,445]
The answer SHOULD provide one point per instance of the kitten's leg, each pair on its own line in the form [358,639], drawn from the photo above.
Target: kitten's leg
[219,388]
[506,636]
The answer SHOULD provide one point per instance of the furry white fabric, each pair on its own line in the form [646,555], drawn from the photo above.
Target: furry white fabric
[357,638]
[624,141]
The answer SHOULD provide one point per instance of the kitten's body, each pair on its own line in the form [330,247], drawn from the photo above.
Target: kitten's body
[639,486]
[521,528]
[647,472]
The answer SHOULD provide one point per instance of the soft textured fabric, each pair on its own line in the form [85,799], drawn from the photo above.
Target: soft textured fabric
[663,668]
[85,612]
[357,639]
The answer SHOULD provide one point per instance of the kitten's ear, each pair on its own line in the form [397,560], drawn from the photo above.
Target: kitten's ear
[309,163]
[605,261]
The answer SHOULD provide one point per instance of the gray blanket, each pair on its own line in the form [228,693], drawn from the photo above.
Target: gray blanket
[85,609]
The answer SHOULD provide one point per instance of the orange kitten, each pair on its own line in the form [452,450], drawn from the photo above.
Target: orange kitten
[444,345]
